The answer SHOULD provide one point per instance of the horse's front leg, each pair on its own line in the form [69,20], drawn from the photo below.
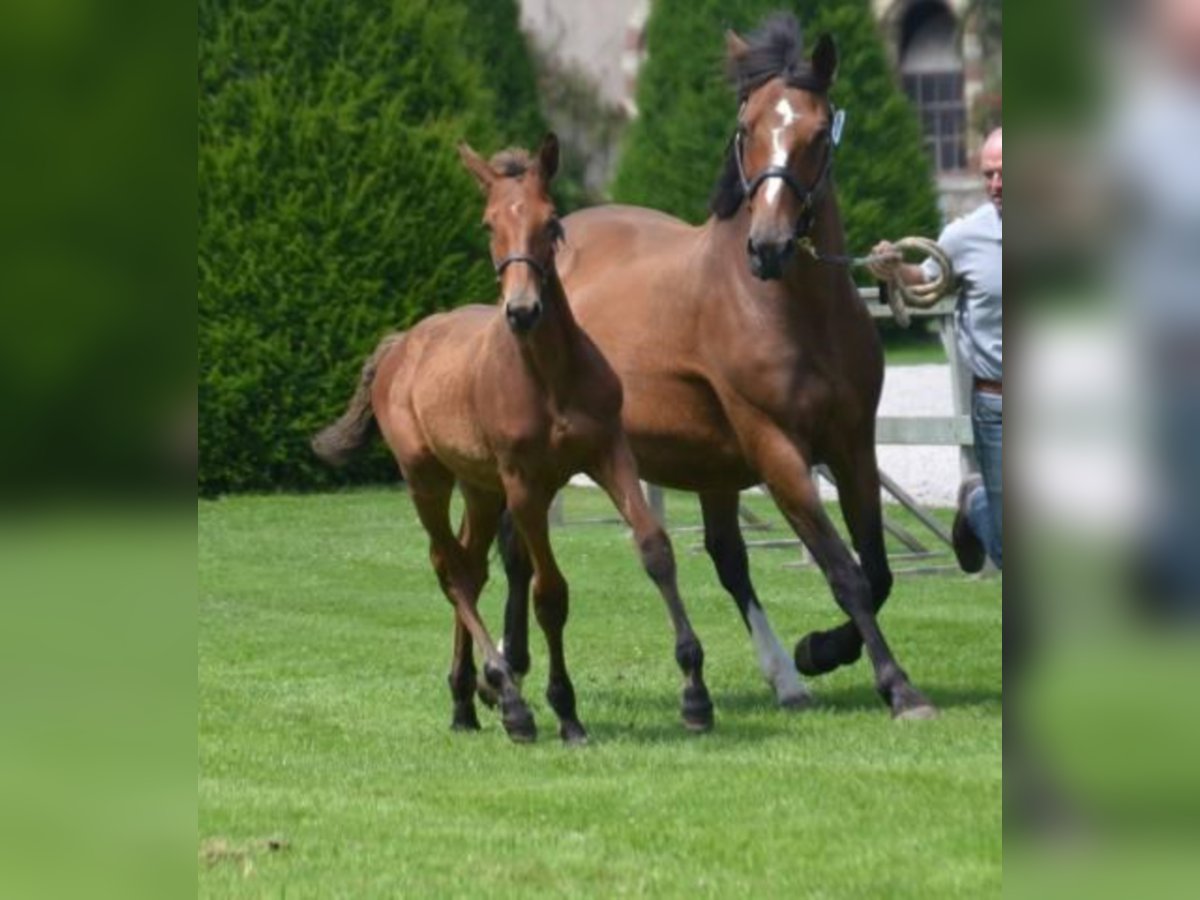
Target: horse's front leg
[788,477]
[530,507]
[518,572]
[857,479]
[616,472]
[727,549]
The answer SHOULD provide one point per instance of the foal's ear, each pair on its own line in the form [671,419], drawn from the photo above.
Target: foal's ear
[735,46]
[476,166]
[548,156]
[825,59]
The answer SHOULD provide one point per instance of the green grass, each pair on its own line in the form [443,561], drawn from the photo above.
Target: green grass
[323,649]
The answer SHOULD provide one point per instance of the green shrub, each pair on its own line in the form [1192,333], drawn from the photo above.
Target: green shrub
[675,149]
[333,207]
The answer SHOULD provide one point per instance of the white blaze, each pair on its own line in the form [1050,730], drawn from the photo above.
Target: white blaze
[778,150]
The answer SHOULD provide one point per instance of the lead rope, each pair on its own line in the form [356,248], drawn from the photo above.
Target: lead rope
[899,296]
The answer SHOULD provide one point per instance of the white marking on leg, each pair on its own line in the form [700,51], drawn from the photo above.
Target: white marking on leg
[777,667]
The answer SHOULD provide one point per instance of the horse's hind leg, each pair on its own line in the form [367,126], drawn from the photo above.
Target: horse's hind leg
[550,603]
[787,476]
[727,549]
[617,474]
[475,535]
[461,581]
[819,652]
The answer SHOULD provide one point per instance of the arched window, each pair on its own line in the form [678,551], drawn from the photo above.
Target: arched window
[933,79]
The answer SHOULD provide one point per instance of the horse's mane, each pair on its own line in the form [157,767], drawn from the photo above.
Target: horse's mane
[512,163]
[775,49]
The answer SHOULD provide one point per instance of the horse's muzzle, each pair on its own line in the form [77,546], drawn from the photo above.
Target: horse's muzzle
[768,258]
[522,317]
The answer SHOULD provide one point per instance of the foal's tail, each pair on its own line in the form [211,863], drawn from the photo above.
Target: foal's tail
[339,441]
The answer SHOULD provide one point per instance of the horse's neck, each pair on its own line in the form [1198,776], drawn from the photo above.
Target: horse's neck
[804,300]
[552,350]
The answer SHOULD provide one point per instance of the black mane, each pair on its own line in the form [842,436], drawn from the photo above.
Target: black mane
[775,51]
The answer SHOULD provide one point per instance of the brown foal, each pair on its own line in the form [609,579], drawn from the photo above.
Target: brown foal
[510,404]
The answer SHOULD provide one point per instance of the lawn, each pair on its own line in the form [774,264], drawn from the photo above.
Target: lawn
[327,768]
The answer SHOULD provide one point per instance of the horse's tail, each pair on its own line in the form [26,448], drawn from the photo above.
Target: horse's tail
[337,442]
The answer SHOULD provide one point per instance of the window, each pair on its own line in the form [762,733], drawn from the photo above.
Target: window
[938,97]
[933,79]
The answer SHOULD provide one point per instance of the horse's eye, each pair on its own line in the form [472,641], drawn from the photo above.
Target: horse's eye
[554,228]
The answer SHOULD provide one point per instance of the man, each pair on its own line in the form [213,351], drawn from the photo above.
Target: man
[975,248]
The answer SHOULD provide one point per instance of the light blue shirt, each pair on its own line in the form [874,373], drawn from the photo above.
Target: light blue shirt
[974,244]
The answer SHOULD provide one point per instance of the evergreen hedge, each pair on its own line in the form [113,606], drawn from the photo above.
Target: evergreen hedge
[687,109]
[333,207]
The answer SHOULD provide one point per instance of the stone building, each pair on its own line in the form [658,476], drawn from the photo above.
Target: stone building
[938,50]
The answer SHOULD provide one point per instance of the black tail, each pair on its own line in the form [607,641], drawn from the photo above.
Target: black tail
[339,441]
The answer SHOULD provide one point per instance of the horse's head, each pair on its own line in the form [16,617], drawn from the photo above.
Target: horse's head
[780,157]
[523,224]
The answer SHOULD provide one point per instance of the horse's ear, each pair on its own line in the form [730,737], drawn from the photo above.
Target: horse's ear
[825,59]
[548,156]
[735,46]
[476,166]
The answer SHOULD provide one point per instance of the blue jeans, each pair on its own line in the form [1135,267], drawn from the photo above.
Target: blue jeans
[985,506]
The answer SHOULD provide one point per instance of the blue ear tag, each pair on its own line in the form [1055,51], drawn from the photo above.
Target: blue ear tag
[839,122]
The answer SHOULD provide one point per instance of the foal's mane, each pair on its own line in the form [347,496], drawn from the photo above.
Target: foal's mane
[775,51]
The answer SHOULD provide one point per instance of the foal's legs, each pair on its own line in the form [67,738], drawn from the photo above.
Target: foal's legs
[518,571]
[858,492]
[617,474]
[529,510]
[787,475]
[475,535]
[725,546]
[461,584]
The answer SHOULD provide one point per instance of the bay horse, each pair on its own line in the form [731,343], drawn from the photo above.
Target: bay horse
[510,404]
[746,362]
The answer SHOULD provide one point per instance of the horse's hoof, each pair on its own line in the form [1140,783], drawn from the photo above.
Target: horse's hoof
[917,713]
[522,732]
[697,709]
[464,718]
[573,734]
[698,724]
[910,705]
[518,722]
[487,694]
[797,702]
[815,654]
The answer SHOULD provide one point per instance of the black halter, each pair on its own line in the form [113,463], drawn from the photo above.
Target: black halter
[806,195]
[522,258]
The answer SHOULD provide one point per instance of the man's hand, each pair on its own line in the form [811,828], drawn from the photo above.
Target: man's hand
[892,265]
[885,269]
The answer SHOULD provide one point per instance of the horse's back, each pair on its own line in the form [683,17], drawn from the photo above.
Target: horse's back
[598,235]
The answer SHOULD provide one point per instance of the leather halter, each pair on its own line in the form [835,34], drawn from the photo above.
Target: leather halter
[806,195]
[507,261]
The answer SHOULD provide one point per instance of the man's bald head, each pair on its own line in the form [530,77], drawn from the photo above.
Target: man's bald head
[992,165]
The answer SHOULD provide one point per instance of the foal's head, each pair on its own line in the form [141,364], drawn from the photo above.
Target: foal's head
[524,227]
[780,156]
